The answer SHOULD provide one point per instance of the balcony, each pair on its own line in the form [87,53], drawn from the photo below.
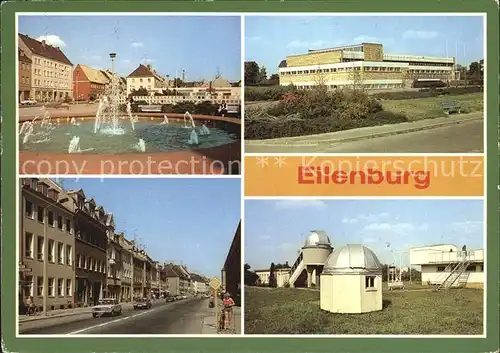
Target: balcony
[429,257]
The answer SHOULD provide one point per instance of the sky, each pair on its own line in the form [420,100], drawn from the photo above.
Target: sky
[185,221]
[269,39]
[198,44]
[275,230]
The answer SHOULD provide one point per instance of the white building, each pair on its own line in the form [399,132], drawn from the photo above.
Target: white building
[282,276]
[447,263]
[351,281]
[200,287]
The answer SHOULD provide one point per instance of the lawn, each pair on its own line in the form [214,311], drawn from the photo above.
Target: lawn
[425,108]
[419,312]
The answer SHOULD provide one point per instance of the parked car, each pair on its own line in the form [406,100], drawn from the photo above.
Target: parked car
[170,299]
[178,297]
[107,306]
[184,297]
[28,102]
[142,303]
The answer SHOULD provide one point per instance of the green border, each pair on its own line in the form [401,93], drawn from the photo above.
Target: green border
[399,345]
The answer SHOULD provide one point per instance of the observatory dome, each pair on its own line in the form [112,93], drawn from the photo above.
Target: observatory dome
[317,238]
[352,258]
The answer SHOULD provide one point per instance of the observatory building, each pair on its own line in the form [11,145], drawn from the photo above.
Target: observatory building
[351,281]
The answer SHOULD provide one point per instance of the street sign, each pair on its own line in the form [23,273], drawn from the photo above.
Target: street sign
[215,283]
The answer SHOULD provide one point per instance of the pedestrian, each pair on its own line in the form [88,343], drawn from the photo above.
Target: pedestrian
[228,303]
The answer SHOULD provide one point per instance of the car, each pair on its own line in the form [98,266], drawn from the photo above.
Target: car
[28,102]
[178,297]
[184,297]
[142,303]
[107,306]
[170,299]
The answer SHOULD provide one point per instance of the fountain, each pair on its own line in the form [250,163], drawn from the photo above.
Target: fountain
[204,131]
[27,130]
[165,120]
[193,138]
[186,114]
[140,146]
[74,145]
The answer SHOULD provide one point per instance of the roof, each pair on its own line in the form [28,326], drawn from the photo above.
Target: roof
[22,56]
[172,270]
[142,71]
[221,82]
[317,237]
[94,75]
[235,245]
[282,63]
[352,258]
[45,50]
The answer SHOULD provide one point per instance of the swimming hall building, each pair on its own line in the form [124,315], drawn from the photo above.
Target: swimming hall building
[364,64]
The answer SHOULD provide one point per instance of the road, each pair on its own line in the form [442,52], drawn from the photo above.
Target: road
[182,317]
[466,137]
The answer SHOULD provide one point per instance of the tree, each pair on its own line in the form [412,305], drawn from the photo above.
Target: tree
[272,276]
[252,72]
[262,75]
[140,92]
[251,278]
[178,82]
[476,69]
[274,80]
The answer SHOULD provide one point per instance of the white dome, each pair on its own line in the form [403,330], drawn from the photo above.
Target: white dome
[352,258]
[317,238]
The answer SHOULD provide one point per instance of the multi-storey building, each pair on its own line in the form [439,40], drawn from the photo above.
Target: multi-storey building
[139,273]
[231,271]
[46,245]
[448,265]
[127,272]
[90,247]
[363,65]
[114,261]
[88,83]
[24,75]
[144,77]
[177,280]
[51,70]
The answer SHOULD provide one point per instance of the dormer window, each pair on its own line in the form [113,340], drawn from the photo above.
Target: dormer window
[34,183]
[42,188]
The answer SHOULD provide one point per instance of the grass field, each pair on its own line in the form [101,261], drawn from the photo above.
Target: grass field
[426,108]
[297,311]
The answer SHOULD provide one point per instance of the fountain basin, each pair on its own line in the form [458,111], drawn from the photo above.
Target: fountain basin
[167,148]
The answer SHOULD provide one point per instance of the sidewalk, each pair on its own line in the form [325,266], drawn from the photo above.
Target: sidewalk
[210,323]
[64,312]
[365,132]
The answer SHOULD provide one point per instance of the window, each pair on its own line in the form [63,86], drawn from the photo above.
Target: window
[369,282]
[52,250]
[441,268]
[69,258]
[40,248]
[482,268]
[471,268]
[28,285]
[39,286]
[60,253]
[28,245]
[60,222]
[40,214]
[60,287]
[68,287]
[85,262]
[68,226]
[51,288]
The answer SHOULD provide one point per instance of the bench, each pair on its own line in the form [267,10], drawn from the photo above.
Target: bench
[450,107]
[150,108]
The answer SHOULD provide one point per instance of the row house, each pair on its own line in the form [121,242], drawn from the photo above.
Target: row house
[178,279]
[114,261]
[24,76]
[88,83]
[127,269]
[46,246]
[145,77]
[51,70]
[90,248]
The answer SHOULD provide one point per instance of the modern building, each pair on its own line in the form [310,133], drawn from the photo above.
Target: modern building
[51,70]
[351,281]
[231,271]
[24,76]
[90,247]
[282,276]
[144,77]
[88,83]
[448,265]
[364,65]
[46,245]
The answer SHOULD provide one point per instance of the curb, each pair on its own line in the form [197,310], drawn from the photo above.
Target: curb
[37,318]
[363,137]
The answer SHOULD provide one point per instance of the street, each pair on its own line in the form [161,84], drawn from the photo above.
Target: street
[466,137]
[181,317]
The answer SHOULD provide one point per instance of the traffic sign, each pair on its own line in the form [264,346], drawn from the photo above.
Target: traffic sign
[215,283]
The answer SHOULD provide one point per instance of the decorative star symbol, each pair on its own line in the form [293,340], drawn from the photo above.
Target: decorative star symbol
[279,161]
[262,161]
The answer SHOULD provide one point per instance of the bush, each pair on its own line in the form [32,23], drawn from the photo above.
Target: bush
[318,111]
[267,93]
[427,93]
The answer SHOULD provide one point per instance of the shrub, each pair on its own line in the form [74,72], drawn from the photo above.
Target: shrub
[268,93]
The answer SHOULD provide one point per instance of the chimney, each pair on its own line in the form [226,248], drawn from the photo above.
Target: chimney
[43,43]
[149,67]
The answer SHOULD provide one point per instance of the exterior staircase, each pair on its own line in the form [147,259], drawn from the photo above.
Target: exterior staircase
[296,270]
[455,271]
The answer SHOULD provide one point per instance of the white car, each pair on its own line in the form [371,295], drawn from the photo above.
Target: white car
[28,102]
[107,306]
